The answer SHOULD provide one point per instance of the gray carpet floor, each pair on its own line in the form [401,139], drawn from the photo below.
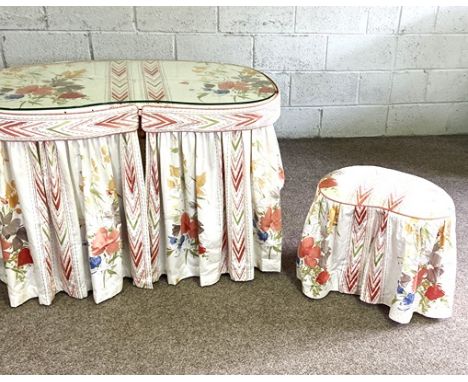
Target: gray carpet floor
[263,326]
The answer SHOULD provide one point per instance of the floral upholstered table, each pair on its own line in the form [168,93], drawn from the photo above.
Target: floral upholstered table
[78,209]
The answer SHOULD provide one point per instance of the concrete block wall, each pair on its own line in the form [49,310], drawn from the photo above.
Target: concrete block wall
[343,71]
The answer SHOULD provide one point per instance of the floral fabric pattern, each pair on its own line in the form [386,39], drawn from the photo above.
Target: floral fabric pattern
[16,262]
[73,84]
[56,90]
[95,217]
[193,192]
[223,83]
[353,245]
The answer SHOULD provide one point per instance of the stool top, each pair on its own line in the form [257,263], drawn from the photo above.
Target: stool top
[90,83]
[392,190]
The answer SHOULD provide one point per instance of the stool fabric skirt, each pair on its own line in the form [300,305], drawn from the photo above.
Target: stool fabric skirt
[386,236]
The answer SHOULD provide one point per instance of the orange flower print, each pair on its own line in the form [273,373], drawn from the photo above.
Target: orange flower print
[193,230]
[43,90]
[328,183]
[11,194]
[106,241]
[419,278]
[189,226]
[226,85]
[441,236]
[35,89]
[309,251]
[241,86]
[266,89]
[71,95]
[74,73]
[27,89]
[281,174]
[272,219]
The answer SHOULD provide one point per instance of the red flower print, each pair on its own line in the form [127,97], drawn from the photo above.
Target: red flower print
[272,219]
[419,278]
[193,230]
[310,261]
[24,257]
[309,252]
[322,277]
[201,250]
[5,247]
[27,89]
[327,183]
[226,85]
[184,223]
[106,241]
[43,90]
[434,292]
[266,89]
[189,226]
[72,95]
[241,86]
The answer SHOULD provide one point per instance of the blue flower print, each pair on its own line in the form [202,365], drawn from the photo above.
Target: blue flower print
[172,240]
[14,96]
[94,261]
[409,299]
[263,236]
[181,241]
[400,289]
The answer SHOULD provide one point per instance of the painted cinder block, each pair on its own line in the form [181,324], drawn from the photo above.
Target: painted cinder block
[131,45]
[290,52]
[452,20]
[417,19]
[353,121]
[446,86]
[432,51]
[298,122]
[360,52]
[409,86]
[458,119]
[383,20]
[422,119]
[176,19]
[22,18]
[327,88]
[374,87]
[283,81]
[90,18]
[331,19]
[256,19]
[45,47]
[214,47]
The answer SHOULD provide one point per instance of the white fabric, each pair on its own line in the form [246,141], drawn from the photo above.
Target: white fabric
[81,241]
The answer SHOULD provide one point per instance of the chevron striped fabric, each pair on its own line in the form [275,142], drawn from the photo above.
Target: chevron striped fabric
[77,211]
[214,204]
[384,235]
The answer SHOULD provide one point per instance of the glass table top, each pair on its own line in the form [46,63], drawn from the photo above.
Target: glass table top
[88,83]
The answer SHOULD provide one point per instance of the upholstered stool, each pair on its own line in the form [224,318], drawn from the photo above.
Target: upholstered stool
[384,235]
